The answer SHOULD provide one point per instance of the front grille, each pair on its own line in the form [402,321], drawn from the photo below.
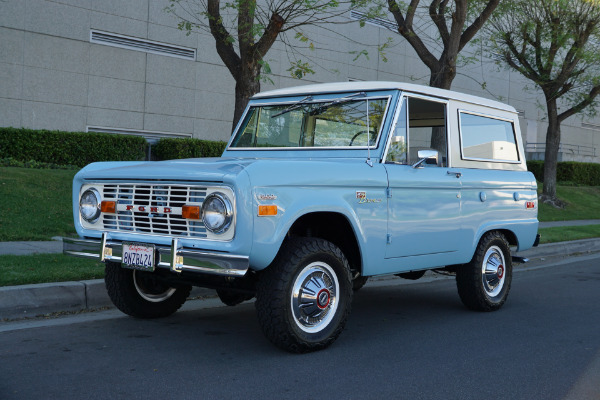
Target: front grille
[159,197]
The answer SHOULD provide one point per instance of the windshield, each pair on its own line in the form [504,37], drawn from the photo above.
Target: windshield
[343,122]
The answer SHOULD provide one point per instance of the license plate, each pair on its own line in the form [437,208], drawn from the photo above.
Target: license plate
[138,256]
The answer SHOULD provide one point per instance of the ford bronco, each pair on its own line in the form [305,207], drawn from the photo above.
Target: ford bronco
[320,187]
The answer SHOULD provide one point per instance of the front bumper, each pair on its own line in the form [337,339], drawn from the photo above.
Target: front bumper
[174,257]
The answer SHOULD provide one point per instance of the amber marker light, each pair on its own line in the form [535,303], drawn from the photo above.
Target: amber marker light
[190,212]
[108,207]
[265,211]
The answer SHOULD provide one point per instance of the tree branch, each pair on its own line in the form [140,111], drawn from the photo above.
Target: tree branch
[406,30]
[223,39]
[437,11]
[269,36]
[589,99]
[472,30]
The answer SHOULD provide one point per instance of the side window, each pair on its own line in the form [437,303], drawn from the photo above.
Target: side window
[427,129]
[486,138]
[397,150]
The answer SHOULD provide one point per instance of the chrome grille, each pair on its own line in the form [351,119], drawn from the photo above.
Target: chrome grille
[160,196]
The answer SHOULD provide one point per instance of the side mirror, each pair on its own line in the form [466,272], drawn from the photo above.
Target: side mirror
[431,156]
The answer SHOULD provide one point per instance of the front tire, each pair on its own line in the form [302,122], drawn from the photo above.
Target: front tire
[484,283]
[303,299]
[140,294]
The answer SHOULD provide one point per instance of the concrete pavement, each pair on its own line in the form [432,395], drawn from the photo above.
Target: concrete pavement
[34,300]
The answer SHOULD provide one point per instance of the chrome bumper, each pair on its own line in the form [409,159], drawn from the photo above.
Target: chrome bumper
[175,258]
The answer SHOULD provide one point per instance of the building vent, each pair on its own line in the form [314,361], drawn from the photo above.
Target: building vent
[379,22]
[595,127]
[148,46]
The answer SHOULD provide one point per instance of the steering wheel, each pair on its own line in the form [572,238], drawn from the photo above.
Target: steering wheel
[357,134]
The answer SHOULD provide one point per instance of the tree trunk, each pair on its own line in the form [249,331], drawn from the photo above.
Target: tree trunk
[442,76]
[246,86]
[551,155]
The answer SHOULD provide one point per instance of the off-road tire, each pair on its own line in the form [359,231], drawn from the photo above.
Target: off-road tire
[292,268]
[232,298]
[473,290]
[121,286]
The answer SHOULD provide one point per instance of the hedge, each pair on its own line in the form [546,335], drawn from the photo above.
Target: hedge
[569,171]
[69,148]
[168,149]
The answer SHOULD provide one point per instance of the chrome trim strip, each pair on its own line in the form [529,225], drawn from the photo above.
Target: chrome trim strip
[193,260]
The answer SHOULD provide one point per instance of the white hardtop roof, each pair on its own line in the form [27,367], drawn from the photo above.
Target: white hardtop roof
[338,87]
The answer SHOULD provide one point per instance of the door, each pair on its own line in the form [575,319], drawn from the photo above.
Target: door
[424,202]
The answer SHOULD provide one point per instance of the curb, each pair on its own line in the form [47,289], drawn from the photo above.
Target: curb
[46,298]
[61,297]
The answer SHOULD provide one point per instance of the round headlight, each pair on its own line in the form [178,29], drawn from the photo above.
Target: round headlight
[89,205]
[217,213]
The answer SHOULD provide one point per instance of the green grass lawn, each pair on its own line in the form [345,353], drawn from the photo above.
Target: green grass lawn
[35,204]
[42,268]
[565,233]
[583,202]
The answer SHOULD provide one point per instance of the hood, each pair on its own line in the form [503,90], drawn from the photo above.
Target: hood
[204,169]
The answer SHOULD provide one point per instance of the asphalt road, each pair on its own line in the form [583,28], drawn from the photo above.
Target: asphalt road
[405,341]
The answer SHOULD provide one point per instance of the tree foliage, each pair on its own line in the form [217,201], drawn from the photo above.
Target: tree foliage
[245,30]
[556,45]
[454,23]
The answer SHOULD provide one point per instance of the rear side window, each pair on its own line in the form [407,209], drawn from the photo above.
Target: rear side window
[486,138]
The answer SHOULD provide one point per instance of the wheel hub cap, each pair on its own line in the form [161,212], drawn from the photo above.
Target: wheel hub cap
[323,299]
[314,297]
[493,271]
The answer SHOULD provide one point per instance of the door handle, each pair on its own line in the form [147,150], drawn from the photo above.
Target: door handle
[455,173]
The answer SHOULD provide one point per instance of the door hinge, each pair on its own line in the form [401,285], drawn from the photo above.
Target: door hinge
[389,238]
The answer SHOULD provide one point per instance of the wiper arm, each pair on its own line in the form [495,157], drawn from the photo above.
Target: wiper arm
[293,106]
[341,100]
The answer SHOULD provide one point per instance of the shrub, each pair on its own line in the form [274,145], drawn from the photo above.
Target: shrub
[168,149]
[69,148]
[569,171]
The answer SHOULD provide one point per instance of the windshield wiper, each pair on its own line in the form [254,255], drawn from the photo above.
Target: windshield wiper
[341,100]
[293,106]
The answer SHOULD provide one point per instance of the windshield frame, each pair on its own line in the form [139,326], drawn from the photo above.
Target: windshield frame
[324,98]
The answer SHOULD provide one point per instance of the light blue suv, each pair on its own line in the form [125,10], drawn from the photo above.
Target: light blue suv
[320,187]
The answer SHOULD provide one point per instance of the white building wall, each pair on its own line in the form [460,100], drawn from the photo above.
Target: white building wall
[52,77]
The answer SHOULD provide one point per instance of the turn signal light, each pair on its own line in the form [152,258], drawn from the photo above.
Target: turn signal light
[190,212]
[108,207]
[264,211]
[530,204]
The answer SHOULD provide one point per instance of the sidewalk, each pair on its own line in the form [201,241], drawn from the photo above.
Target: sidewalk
[33,300]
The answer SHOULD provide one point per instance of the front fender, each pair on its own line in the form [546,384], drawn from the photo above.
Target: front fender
[367,219]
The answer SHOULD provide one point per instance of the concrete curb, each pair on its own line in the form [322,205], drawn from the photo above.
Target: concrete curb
[34,300]
[46,298]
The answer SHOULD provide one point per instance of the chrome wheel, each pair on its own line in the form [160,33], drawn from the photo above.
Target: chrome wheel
[493,271]
[314,298]
[150,289]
